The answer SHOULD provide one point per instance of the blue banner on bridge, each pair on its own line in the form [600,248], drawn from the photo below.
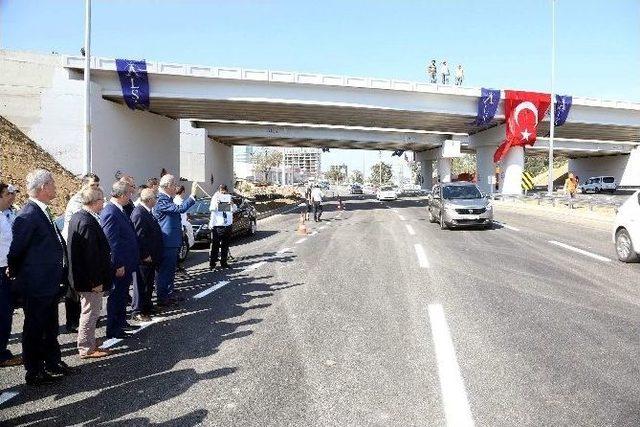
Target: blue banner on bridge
[563,105]
[134,82]
[487,106]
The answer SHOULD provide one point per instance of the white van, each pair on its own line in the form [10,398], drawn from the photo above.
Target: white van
[597,184]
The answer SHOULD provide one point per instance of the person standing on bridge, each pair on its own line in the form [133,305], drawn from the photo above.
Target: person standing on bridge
[316,198]
[459,75]
[444,72]
[432,72]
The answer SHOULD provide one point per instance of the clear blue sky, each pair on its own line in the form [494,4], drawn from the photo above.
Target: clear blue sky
[501,43]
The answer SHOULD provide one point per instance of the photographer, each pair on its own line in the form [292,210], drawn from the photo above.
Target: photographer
[222,209]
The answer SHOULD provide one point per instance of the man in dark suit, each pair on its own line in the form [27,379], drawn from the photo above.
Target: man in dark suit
[90,266]
[37,260]
[124,258]
[151,250]
[168,215]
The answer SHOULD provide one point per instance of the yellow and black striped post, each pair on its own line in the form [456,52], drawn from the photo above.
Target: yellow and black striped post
[527,181]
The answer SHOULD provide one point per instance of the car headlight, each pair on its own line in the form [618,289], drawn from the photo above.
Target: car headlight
[204,227]
[489,206]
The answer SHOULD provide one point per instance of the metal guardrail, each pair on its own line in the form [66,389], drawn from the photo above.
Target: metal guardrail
[589,202]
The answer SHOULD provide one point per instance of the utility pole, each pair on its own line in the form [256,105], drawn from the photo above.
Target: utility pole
[552,123]
[88,161]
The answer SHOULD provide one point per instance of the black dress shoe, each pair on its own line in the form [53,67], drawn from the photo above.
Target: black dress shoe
[62,369]
[41,378]
[225,265]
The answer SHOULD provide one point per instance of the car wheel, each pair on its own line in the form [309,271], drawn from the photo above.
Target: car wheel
[253,228]
[624,247]
[184,250]
[443,225]
[596,190]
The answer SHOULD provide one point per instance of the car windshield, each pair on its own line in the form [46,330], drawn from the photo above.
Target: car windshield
[461,192]
[200,207]
[608,180]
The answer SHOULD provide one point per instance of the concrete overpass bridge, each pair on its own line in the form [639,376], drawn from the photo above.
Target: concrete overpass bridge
[220,107]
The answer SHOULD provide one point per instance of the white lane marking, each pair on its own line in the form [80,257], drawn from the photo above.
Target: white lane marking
[110,343]
[301,240]
[322,228]
[144,325]
[454,395]
[7,396]
[507,226]
[255,266]
[395,210]
[313,233]
[401,217]
[211,289]
[283,251]
[422,256]
[580,251]
[410,230]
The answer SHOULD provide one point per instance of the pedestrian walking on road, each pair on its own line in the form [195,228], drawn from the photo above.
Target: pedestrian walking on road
[90,266]
[307,199]
[571,186]
[222,209]
[316,199]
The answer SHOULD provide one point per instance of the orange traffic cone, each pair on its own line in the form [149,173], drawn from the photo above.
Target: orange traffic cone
[302,227]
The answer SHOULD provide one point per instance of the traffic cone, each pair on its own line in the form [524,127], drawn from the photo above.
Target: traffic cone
[302,227]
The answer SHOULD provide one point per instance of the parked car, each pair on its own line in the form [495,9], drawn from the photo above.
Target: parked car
[597,184]
[459,204]
[245,219]
[626,229]
[387,193]
[356,189]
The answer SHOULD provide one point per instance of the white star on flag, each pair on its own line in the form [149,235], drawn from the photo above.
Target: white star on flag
[525,135]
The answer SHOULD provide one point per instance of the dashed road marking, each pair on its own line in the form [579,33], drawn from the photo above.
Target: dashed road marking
[110,343]
[401,217]
[144,325]
[313,233]
[410,230]
[507,226]
[322,228]
[211,289]
[580,251]
[6,396]
[454,395]
[255,266]
[422,256]
[283,251]
[301,240]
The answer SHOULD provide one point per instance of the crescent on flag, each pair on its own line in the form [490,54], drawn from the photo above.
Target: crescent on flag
[526,105]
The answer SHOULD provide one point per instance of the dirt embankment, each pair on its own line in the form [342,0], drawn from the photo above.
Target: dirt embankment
[19,155]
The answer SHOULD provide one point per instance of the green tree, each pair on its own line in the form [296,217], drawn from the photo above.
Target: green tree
[335,174]
[379,170]
[357,177]
[466,163]
[264,161]
[536,164]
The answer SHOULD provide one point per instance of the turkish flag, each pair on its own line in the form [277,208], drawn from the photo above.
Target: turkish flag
[523,111]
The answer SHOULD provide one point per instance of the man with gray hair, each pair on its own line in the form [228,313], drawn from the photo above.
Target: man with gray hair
[37,260]
[124,258]
[168,215]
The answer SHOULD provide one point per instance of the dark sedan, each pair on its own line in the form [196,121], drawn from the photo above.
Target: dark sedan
[244,219]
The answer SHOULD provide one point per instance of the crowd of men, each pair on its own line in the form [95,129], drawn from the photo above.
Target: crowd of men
[432,72]
[105,246]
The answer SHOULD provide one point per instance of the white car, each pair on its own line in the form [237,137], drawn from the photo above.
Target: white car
[597,184]
[387,193]
[626,229]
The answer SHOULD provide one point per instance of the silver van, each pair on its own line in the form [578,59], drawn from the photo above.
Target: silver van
[458,204]
[598,184]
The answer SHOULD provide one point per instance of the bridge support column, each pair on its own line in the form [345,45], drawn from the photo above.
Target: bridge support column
[484,167]
[203,159]
[426,169]
[444,169]
[512,166]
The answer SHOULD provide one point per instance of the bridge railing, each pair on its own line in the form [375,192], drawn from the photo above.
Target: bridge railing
[563,200]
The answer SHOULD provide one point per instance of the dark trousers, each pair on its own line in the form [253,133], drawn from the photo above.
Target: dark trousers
[72,309]
[40,346]
[317,211]
[6,315]
[220,237]
[166,274]
[117,305]
[143,291]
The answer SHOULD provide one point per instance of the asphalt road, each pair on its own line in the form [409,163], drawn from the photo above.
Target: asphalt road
[377,318]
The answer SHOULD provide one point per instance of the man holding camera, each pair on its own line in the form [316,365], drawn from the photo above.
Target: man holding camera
[222,209]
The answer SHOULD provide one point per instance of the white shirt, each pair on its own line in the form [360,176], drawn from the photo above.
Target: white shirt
[6,235]
[316,195]
[10,214]
[218,218]
[444,69]
[459,72]
[178,200]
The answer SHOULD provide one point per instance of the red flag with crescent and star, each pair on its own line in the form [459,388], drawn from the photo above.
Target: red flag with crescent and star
[523,111]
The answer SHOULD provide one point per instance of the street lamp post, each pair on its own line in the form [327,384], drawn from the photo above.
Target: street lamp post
[552,123]
[88,161]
